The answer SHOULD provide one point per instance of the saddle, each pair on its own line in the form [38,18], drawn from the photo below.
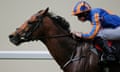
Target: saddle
[97,50]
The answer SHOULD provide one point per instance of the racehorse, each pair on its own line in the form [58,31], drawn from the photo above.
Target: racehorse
[54,31]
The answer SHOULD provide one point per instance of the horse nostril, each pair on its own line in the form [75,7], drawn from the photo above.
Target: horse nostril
[11,36]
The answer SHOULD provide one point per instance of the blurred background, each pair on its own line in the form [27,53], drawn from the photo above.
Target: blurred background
[14,13]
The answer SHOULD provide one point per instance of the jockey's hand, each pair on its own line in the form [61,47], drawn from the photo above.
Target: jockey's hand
[77,34]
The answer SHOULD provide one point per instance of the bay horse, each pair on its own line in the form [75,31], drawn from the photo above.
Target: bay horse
[54,31]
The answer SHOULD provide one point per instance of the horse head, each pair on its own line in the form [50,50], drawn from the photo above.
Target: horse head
[32,29]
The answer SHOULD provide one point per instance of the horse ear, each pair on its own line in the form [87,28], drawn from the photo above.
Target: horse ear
[45,11]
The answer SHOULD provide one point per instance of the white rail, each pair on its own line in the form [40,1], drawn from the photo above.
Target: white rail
[25,55]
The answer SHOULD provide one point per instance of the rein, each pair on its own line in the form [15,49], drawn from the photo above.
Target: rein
[55,36]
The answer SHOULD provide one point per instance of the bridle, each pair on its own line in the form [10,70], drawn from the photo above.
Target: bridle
[27,35]
[33,27]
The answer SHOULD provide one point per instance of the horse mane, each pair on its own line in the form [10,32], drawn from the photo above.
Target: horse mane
[59,21]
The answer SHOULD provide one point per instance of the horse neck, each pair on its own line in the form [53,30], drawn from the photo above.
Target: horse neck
[61,47]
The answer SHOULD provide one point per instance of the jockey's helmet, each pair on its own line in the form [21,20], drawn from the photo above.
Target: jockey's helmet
[81,7]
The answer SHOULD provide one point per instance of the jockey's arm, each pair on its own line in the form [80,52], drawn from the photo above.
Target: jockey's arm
[95,27]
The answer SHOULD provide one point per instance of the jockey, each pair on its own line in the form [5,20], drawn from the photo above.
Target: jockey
[105,26]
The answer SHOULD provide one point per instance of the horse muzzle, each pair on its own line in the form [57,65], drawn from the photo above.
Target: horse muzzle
[15,39]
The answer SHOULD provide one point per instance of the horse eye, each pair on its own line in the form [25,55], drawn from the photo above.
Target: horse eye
[37,17]
[29,22]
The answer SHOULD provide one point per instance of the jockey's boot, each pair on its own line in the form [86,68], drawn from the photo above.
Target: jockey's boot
[107,51]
